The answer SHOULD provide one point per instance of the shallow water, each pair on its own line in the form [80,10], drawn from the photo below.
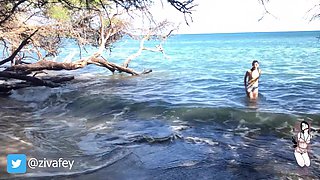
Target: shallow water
[188,119]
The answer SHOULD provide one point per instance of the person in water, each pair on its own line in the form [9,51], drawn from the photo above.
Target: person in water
[301,145]
[251,80]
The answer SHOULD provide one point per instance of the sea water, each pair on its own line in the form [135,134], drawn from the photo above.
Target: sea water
[188,119]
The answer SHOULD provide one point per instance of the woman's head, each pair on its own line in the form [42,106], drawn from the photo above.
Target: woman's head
[255,64]
[304,125]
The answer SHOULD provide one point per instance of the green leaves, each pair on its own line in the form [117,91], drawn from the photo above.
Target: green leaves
[59,13]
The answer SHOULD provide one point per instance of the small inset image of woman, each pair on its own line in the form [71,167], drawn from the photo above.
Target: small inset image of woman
[301,144]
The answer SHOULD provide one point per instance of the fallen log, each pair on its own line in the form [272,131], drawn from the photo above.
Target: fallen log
[35,81]
[47,65]
[30,81]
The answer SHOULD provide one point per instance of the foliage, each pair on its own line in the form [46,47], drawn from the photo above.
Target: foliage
[59,13]
[76,19]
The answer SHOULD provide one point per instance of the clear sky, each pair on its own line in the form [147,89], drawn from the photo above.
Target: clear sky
[218,16]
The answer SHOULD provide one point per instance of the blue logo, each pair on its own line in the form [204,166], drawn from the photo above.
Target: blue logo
[16,163]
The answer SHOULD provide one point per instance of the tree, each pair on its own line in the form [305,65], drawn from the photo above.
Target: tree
[313,12]
[31,32]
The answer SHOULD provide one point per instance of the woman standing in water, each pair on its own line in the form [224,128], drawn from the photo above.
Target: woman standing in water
[301,145]
[251,80]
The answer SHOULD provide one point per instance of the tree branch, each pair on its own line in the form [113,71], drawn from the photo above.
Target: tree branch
[14,8]
[266,11]
[138,53]
[48,65]
[22,44]
[33,80]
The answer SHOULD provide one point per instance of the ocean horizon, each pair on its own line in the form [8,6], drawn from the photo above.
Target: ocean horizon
[246,32]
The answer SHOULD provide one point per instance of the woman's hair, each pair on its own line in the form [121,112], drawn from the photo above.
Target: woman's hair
[295,143]
[254,61]
[304,122]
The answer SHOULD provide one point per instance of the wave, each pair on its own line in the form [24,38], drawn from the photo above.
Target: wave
[108,107]
[102,131]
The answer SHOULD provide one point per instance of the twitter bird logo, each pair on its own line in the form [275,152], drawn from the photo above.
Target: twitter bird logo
[16,163]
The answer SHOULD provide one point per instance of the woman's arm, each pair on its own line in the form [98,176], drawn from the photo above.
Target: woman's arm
[308,138]
[260,72]
[245,79]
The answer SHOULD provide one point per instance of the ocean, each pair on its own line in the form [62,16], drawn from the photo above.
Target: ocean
[188,119]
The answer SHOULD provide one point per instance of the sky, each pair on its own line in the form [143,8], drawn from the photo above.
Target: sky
[226,16]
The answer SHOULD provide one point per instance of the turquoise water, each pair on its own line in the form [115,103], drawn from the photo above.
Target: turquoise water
[188,119]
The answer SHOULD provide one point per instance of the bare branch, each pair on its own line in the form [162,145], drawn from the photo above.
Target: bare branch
[22,44]
[315,12]
[186,7]
[266,11]
[12,11]
[138,53]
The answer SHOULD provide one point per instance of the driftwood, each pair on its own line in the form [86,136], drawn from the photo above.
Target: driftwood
[46,65]
[20,71]
[6,88]
[31,81]
[23,41]
[52,65]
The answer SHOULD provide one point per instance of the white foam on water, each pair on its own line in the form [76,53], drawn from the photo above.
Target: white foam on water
[124,111]
[89,145]
[32,94]
[99,127]
[201,140]
[179,128]
[16,138]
